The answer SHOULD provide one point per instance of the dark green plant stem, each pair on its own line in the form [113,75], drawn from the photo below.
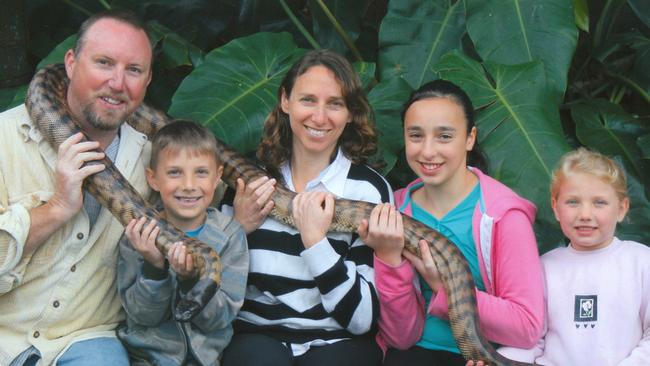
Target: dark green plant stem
[78,7]
[105,4]
[634,86]
[339,29]
[606,20]
[299,25]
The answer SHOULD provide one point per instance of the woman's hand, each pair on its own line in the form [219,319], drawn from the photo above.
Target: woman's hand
[143,240]
[313,213]
[384,233]
[252,202]
[425,266]
[181,261]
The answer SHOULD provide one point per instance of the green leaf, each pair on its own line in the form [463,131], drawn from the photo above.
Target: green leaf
[56,55]
[386,99]
[607,128]
[415,34]
[236,87]
[641,71]
[519,31]
[366,72]
[11,97]
[636,225]
[518,124]
[642,10]
[175,51]
[581,14]
[346,12]
[644,145]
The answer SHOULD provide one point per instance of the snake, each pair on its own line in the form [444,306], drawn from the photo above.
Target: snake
[46,103]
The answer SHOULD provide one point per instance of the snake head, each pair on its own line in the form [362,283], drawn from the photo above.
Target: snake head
[186,310]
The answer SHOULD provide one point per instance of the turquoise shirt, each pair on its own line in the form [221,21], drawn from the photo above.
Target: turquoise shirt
[194,233]
[456,225]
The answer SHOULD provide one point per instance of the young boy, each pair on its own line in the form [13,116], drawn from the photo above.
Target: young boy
[185,171]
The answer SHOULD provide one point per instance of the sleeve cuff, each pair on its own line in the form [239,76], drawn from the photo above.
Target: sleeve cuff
[320,257]
[184,286]
[391,279]
[151,272]
[16,222]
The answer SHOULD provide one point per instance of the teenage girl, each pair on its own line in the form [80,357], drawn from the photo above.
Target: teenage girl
[490,224]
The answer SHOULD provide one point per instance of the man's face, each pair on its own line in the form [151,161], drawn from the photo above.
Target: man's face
[109,76]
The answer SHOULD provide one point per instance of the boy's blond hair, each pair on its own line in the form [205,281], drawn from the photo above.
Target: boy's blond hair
[593,163]
[183,134]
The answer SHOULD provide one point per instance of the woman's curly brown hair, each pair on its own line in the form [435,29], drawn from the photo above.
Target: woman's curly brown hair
[359,139]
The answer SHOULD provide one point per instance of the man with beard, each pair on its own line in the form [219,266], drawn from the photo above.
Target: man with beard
[58,246]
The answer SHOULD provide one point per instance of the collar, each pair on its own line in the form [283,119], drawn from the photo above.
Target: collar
[130,147]
[331,179]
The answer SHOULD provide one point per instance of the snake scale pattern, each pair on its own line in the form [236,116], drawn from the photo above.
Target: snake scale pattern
[46,103]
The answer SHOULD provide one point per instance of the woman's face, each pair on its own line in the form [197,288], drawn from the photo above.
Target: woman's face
[317,112]
[436,140]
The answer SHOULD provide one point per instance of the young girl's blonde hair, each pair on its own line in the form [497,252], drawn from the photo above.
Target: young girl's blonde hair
[593,163]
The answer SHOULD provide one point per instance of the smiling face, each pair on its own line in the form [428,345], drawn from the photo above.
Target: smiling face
[186,180]
[437,141]
[109,75]
[588,210]
[317,112]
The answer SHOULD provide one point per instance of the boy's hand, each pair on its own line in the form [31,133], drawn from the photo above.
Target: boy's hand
[143,239]
[253,202]
[181,261]
[471,363]
[313,213]
[425,266]
[384,233]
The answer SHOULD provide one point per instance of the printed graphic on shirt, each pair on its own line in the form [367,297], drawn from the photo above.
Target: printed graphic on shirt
[586,310]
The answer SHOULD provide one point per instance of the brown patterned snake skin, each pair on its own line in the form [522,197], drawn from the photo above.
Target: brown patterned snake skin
[47,107]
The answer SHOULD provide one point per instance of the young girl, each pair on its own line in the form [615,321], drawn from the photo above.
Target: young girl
[310,299]
[598,287]
[489,223]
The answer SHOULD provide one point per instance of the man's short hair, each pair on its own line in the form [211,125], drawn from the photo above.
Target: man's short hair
[123,16]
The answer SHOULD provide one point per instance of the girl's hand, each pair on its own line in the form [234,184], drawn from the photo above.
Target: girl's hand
[143,240]
[425,266]
[471,363]
[384,233]
[181,261]
[252,202]
[313,213]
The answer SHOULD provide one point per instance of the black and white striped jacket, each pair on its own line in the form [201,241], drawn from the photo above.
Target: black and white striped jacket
[324,293]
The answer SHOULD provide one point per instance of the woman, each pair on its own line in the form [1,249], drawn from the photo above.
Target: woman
[310,298]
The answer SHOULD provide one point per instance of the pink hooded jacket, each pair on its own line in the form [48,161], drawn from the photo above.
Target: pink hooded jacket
[512,307]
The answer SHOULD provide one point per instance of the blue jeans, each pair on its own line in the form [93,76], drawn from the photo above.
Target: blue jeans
[105,351]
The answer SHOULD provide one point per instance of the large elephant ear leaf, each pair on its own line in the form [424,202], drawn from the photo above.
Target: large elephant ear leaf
[346,13]
[518,123]
[636,224]
[415,34]
[386,99]
[606,127]
[519,31]
[236,87]
[644,144]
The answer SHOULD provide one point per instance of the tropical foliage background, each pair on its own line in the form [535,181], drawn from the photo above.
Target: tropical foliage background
[545,76]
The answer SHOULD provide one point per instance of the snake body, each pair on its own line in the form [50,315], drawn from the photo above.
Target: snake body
[47,107]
